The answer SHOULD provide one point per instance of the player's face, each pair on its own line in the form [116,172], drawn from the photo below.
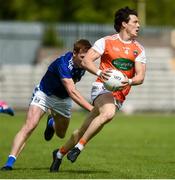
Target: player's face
[132,27]
[78,57]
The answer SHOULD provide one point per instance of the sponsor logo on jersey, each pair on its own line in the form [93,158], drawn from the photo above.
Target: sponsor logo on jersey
[123,64]
[70,66]
[115,48]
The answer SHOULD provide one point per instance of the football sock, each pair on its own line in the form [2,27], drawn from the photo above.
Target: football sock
[61,153]
[1,109]
[9,111]
[81,144]
[4,108]
[51,122]
[11,160]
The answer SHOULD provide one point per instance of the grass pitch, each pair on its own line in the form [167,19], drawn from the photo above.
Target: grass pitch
[131,146]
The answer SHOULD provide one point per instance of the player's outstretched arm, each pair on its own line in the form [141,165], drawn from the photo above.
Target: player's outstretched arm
[75,94]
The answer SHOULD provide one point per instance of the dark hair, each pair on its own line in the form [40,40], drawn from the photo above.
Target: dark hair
[122,15]
[82,44]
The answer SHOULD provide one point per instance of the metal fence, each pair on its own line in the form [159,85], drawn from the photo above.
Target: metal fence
[19,42]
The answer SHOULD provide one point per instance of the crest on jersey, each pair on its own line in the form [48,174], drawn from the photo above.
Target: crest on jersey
[135,52]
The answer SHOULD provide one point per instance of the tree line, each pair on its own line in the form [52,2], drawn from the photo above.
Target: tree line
[158,12]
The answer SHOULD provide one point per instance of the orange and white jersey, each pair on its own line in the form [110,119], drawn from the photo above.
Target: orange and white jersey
[120,55]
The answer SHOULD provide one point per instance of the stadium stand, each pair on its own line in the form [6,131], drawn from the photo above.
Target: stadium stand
[18,76]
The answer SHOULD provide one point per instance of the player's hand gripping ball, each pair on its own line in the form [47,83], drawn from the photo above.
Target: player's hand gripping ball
[114,81]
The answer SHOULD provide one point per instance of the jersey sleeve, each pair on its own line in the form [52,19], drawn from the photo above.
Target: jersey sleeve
[99,46]
[141,57]
[64,71]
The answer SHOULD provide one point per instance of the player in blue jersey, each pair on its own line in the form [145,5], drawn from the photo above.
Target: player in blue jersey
[54,93]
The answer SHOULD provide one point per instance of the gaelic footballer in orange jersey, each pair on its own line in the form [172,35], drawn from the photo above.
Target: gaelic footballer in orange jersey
[120,55]
[121,52]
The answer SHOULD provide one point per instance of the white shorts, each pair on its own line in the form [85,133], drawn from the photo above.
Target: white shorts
[54,103]
[97,89]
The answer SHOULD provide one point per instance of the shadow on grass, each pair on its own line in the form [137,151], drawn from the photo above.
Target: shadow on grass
[85,171]
[63,171]
[33,169]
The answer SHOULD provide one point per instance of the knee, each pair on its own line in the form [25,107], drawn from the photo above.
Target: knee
[107,116]
[110,115]
[77,134]
[28,128]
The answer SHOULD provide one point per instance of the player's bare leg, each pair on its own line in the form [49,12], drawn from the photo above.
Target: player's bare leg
[33,117]
[56,123]
[105,104]
[58,154]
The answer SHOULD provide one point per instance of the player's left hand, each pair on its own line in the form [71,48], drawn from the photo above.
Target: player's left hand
[125,82]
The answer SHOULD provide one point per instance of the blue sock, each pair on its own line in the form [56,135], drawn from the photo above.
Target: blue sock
[51,122]
[7,111]
[11,160]
[1,109]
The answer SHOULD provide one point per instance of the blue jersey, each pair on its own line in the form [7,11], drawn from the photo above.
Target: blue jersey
[62,67]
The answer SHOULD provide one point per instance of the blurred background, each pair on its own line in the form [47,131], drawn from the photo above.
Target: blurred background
[33,33]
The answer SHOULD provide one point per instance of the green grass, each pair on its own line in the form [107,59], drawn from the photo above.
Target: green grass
[134,146]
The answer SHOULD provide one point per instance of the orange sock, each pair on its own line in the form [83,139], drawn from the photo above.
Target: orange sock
[82,141]
[63,150]
[80,145]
